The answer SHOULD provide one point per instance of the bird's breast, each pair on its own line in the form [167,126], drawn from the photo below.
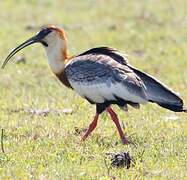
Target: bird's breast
[63,79]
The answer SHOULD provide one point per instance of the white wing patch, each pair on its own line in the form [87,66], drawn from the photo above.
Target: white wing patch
[100,92]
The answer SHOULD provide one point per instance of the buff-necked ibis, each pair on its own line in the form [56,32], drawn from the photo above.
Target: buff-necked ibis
[102,76]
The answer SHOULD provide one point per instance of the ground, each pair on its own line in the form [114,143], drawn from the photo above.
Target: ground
[46,145]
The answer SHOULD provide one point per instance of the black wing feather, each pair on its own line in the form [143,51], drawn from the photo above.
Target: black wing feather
[159,93]
[156,91]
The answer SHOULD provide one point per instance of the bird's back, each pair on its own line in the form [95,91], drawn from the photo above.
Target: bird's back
[96,76]
[106,71]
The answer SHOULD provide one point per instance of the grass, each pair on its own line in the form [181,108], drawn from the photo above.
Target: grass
[154,35]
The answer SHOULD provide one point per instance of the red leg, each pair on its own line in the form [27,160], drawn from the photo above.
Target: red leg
[116,121]
[92,126]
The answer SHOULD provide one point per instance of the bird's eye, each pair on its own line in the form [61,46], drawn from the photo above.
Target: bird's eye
[44,43]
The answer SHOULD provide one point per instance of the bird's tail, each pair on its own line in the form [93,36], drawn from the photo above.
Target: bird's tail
[176,108]
[160,94]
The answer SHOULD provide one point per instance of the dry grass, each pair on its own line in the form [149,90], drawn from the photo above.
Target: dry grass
[36,146]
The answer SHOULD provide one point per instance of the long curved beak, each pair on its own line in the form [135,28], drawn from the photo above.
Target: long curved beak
[34,39]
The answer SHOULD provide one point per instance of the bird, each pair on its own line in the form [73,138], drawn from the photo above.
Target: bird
[102,76]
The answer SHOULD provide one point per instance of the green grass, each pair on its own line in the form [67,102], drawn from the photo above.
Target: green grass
[153,33]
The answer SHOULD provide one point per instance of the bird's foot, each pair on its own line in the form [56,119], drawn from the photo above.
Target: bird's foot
[125,141]
[92,126]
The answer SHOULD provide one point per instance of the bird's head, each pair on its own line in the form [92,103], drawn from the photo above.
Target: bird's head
[53,40]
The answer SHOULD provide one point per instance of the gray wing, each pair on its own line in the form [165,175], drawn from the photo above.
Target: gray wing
[156,91]
[99,78]
[108,51]
[159,93]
